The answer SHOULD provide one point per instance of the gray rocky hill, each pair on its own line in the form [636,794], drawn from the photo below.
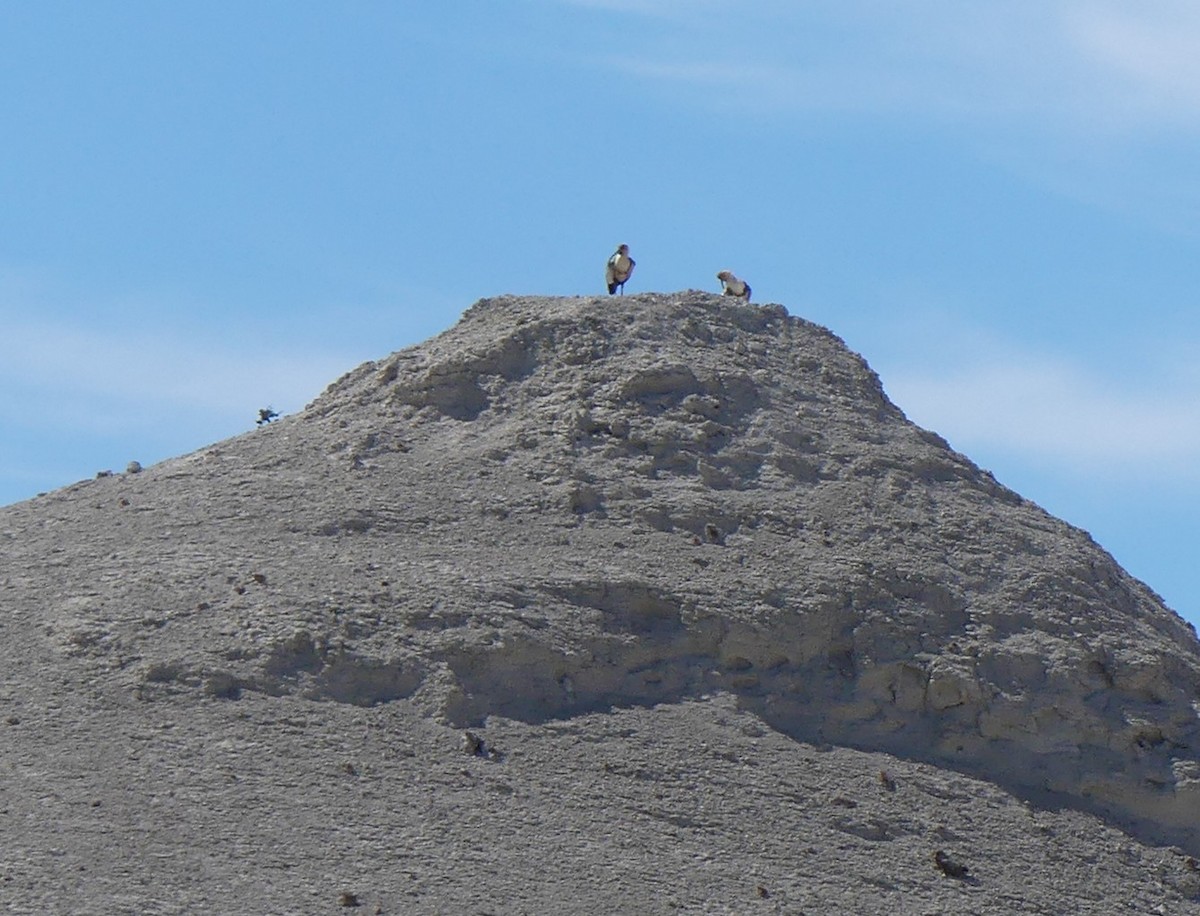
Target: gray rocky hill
[640,604]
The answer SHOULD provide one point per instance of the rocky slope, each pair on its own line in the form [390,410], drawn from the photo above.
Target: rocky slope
[615,536]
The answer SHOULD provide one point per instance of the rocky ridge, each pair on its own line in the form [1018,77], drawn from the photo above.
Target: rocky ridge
[562,508]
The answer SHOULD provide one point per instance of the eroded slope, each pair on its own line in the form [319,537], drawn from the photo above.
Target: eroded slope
[564,505]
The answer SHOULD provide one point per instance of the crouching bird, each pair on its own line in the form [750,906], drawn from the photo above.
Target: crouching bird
[732,286]
[620,266]
[948,867]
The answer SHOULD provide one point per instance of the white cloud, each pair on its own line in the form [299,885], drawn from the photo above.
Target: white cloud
[1061,63]
[1148,52]
[668,8]
[131,379]
[1050,411]
[1096,101]
[706,72]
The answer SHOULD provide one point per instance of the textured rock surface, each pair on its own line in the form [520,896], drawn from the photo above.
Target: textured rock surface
[571,526]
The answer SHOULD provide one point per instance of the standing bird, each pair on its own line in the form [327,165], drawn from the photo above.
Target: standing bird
[619,267]
[732,286]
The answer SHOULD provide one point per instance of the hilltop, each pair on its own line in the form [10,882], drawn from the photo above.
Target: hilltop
[589,605]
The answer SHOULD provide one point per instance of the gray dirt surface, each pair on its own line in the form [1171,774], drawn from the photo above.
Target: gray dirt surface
[646,604]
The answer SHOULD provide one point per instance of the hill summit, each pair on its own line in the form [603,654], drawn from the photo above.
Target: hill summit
[563,507]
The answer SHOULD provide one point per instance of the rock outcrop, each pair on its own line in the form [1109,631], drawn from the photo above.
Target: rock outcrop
[564,506]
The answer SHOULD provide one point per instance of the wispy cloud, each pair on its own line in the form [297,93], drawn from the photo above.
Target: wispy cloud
[1075,96]
[1147,51]
[72,374]
[106,362]
[1099,66]
[1052,411]
[666,8]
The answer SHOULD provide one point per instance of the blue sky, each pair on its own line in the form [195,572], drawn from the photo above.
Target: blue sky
[213,207]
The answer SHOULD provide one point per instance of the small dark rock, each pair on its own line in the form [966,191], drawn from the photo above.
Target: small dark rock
[222,685]
[477,747]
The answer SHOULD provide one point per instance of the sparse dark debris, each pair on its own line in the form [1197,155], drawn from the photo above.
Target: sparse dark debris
[762,892]
[949,867]
[13,720]
[349,899]
[259,578]
[841,801]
